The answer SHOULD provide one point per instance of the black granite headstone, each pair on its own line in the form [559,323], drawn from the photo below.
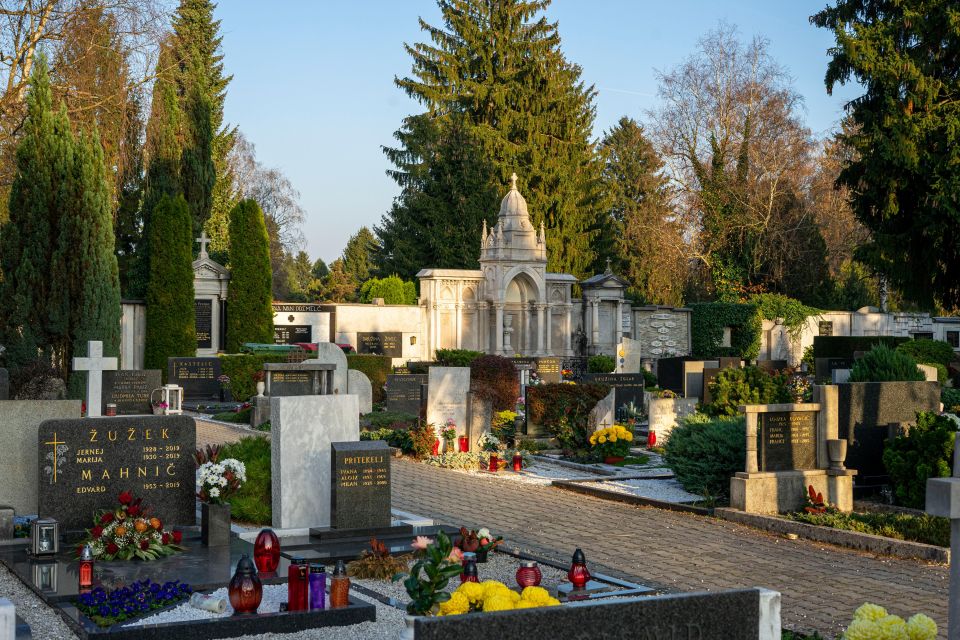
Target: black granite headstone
[86,463]
[292,333]
[670,374]
[130,390]
[380,343]
[203,313]
[4,384]
[549,370]
[197,376]
[788,441]
[360,485]
[403,392]
[627,391]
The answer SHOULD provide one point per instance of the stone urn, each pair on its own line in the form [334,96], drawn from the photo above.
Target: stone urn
[261,385]
[837,452]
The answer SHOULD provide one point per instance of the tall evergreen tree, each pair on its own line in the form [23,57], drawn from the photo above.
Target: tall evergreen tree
[31,278]
[904,172]
[171,322]
[250,317]
[498,66]
[87,249]
[641,234]
[358,255]
[203,87]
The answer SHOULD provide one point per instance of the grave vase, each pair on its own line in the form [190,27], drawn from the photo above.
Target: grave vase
[215,524]
[260,388]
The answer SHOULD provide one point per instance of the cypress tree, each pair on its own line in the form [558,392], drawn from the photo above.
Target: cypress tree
[87,243]
[499,67]
[27,244]
[171,329]
[250,313]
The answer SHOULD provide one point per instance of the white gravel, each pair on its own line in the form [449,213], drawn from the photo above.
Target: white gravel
[539,472]
[666,490]
[43,622]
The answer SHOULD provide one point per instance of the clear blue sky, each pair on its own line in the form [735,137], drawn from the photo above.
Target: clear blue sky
[313,81]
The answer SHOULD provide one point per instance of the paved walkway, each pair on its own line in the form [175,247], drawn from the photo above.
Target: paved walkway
[821,585]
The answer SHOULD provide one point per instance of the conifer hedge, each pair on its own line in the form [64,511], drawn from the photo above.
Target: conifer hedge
[249,308]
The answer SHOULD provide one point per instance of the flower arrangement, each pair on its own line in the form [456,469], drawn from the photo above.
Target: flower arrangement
[489,442]
[872,622]
[474,540]
[377,563]
[440,561]
[449,431]
[130,532]
[224,381]
[107,609]
[799,388]
[161,405]
[567,374]
[612,442]
[217,481]
[491,595]
[666,393]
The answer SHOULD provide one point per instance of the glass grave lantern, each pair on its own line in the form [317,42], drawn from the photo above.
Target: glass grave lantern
[44,537]
[171,396]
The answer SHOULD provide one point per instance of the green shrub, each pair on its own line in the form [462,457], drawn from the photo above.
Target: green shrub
[928,351]
[495,378]
[249,296]
[392,289]
[241,417]
[374,367]
[705,452]
[750,385]
[504,426]
[941,371]
[456,357]
[649,379]
[950,398]
[385,419]
[252,503]
[708,320]
[883,364]
[809,360]
[399,438]
[601,364]
[793,313]
[241,367]
[925,452]
[901,526]
[564,410]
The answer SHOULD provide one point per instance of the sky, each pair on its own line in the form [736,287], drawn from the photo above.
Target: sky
[313,81]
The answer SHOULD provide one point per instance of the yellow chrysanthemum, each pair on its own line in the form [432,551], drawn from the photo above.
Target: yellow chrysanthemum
[535,594]
[920,627]
[868,611]
[551,602]
[862,629]
[602,439]
[499,602]
[628,437]
[525,604]
[613,437]
[892,628]
[492,587]
[456,605]
[472,591]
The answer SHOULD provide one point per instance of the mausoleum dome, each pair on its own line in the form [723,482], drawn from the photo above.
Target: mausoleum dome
[513,209]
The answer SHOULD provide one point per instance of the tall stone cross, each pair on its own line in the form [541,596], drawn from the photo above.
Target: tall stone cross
[94,364]
[204,241]
[943,499]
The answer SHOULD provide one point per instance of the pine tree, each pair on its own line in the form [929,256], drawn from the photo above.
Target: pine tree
[641,233]
[87,246]
[250,317]
[339,286]
[31,279]
[319,269]
[358,255]
[904,169]
[499,67]
[171,326]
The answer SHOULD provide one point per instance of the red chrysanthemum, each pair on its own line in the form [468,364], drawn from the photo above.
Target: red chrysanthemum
[134,511]
[126,497]
[96,532]
[112,548]
[106,518]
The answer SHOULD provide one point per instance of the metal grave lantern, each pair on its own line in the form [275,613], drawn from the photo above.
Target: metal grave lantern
[44,537]
[167,400]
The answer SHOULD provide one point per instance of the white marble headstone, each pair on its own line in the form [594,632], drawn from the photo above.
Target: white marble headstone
[329,353]
[447,397]
[302,430]
[358,384]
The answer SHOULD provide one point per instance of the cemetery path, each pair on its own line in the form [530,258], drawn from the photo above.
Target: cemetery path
[821,585]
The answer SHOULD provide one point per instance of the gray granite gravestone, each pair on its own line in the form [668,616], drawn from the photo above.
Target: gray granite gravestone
[85,464]
[360,485]
[130,390]
[298,378]
[403,392]
[197,376]
[358,384]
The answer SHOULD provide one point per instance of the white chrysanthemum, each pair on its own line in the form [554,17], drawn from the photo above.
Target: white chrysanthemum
[921,627]
[214,493]
[868,611]
[862,629]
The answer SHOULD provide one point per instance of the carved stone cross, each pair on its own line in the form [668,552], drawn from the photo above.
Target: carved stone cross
[94,364]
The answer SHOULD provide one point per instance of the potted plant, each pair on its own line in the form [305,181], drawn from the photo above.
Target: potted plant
[225,395]
[259,377]
[217,480]
[611,444]
[478,541]
[449,434]
[440,561]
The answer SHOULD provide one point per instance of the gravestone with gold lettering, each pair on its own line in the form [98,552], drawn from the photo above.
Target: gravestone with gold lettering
[360,485]
[788,440]
[85,464]
[130,390]
[197,376]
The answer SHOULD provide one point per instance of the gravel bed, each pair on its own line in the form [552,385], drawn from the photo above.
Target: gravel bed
[43,622]
[539,473]
[666,490]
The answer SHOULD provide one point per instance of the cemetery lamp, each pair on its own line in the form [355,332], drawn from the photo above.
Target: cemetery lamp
[266,551]
[173,396]
[86,567]
[44,537]
[578,574]
[246,590]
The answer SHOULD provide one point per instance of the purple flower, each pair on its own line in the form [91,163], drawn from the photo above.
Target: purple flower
[104,610]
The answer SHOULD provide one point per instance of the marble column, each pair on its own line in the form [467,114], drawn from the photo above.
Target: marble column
[549,330]
[498,336]
[595,324]
[483,323]
[568,330]
[618,330]
[526,347]
[541,309]
[458,315]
